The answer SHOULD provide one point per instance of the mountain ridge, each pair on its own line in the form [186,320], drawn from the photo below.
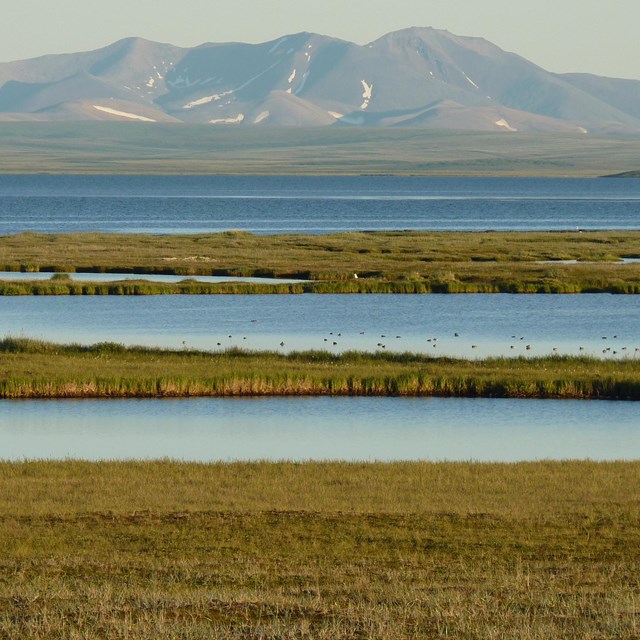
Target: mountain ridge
[419,76]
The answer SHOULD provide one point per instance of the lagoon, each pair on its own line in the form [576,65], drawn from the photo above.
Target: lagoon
[487,325]
[385,429]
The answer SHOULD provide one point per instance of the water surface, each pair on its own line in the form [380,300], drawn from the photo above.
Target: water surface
[486,324]
[287,204]
[149,277]
[319,429]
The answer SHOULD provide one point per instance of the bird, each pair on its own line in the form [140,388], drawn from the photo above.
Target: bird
[282,344]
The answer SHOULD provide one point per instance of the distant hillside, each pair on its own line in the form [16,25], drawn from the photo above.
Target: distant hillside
[418,77]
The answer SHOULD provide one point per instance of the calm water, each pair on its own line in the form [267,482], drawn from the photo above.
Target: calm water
[423,323]
[320,429]
[323,428]
[192,204]
[150,277]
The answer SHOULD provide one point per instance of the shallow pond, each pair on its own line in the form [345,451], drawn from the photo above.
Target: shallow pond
[320,428]
[487,325]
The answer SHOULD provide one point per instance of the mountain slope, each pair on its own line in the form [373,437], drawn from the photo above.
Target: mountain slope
[418,77]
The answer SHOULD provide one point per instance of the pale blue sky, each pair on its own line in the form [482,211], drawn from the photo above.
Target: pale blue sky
[597,36]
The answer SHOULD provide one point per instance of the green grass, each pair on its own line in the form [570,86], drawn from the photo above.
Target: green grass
[319,550]
[30,368]
[385,262]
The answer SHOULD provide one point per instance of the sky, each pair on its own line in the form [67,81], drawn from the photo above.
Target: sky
[594,36]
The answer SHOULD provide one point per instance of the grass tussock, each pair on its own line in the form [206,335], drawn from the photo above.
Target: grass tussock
[385,262]
[35,369]
[319,550]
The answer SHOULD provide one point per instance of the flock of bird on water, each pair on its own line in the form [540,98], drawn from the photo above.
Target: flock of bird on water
[331,340]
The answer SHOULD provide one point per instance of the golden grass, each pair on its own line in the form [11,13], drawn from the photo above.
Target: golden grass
[31,368]
[319,550]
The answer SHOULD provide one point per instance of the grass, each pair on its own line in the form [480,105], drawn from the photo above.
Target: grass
[87,148]
[35,369]
[394,262]
[319,550]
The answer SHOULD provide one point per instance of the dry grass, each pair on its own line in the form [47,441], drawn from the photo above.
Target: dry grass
[31,368]
[260,550]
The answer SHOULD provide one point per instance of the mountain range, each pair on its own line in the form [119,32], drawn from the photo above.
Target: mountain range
[417,77]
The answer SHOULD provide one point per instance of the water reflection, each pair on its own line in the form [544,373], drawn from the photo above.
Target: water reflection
[603,325]
[320,429]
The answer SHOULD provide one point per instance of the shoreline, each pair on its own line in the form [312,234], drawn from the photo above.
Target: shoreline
[31,369]
[349,262]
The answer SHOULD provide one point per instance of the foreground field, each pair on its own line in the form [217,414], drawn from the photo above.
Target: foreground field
[317,550]
[398,262]
[35,369]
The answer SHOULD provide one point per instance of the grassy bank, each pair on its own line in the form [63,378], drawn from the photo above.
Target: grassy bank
[34,369]
[395,262]
[336,551]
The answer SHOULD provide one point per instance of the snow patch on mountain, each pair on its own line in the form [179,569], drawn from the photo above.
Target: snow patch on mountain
[206,100]
[122,114]
[504,124]
[237,120]
[368,89]
[470,80]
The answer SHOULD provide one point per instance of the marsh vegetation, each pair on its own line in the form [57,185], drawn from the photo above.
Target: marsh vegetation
[319,550]
[384,262]
[36,369]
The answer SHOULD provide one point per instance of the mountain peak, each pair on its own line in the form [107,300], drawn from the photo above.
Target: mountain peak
[418,76]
